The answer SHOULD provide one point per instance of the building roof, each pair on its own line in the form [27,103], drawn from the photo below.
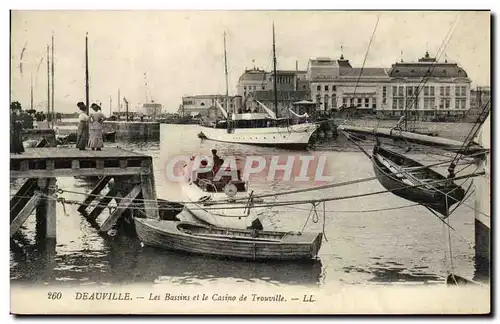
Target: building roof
[420,70]
[253,75]
[365,72]
[426,67]
[203,96]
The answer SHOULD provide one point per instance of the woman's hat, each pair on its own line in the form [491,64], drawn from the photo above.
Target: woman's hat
[95,106]
[15,105]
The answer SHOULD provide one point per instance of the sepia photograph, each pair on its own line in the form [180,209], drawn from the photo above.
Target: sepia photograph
[250,162]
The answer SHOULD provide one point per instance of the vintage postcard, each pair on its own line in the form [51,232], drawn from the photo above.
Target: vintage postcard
[250,162]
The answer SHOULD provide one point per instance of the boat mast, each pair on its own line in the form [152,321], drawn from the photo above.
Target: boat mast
[275,76]
[31,92]
[48,86]
[87,72]
[225,71]
[53,113]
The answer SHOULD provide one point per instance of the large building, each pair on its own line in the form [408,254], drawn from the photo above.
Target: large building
[198,104]
[259,80]
[151,109]
[427,88]
[206,105]
[335,84]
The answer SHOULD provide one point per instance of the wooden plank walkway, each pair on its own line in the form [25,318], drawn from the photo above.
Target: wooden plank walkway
[48,162]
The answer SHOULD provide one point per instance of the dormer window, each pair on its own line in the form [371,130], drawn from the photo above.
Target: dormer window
[444,71]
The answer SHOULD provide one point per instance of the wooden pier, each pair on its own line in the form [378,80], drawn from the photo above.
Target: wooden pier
[130,172]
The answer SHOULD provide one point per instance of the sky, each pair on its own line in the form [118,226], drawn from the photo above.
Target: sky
[179,53]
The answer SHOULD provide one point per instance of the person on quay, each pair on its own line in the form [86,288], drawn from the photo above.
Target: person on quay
[95,134]
[16,129]
[83,127]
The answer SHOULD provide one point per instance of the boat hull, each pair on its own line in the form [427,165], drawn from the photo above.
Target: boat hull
[165,234]
[430,198]
[227,215]
[294,137]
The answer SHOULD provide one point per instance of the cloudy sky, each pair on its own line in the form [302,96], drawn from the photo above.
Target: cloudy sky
[181,52]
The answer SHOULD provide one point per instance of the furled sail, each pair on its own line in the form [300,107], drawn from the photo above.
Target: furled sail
[269,111]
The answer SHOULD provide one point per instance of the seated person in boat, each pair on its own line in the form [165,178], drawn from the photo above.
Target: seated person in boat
[217,161]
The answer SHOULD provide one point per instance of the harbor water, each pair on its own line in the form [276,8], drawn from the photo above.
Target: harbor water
[368,240]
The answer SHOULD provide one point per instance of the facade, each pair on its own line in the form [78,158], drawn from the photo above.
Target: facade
[335,84]
[151,109]
[205,105]
[427,89]
[479,97]
[199,104]
[259,80]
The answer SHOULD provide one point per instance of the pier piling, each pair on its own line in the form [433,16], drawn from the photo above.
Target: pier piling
[132,174]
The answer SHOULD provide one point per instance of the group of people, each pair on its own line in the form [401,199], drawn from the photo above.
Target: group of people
[90,124]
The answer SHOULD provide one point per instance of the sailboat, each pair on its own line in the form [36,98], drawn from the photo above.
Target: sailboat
[259,128]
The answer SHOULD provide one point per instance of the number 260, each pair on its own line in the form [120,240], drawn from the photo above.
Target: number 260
[54,295]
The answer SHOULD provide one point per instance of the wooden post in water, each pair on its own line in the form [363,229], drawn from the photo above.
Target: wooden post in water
[46,216]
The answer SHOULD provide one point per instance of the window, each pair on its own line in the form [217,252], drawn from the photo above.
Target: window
[384,94]
[334,101]
[367,102]
[344,101]
[447,103]
[318,88]
[326,102]
[401,104]
[409,91]
[326,88]
[244,88]
[394,103]
[426,91]
[394,91]
[464,91]
[263,87]
[447,91]
[432,91]
[334,88]
[401,91]
[457,91]
[441,91]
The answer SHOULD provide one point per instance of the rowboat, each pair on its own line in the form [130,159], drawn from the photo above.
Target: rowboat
[414,181]
[204,239]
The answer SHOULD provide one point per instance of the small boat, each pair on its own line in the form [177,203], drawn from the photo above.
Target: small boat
[414,181]
[71,138]
[223,202]
[225,242]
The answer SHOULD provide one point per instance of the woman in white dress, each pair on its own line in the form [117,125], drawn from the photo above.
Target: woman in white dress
[95,131]
[83,127]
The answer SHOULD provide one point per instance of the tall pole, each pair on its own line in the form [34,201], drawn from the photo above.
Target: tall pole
[53,113]
[48,86]
[118,102]
[275,76]
[110,106]
[31,92]
[87,71]
[225,71]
